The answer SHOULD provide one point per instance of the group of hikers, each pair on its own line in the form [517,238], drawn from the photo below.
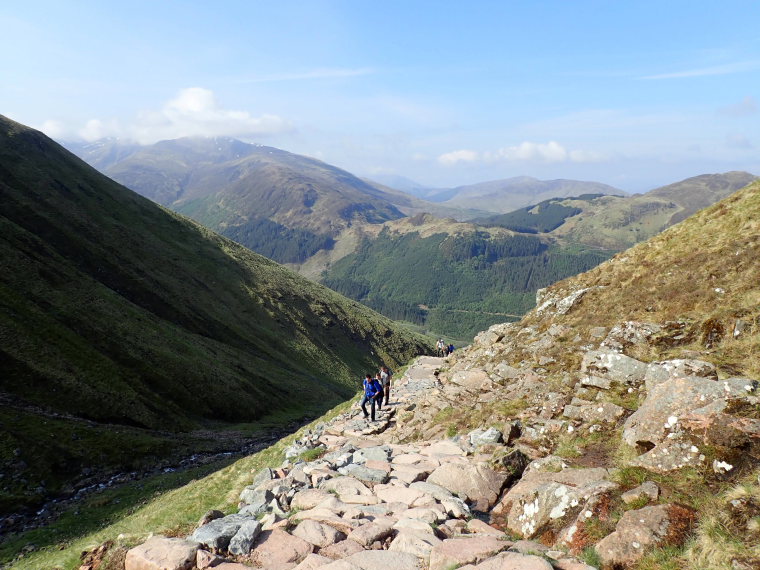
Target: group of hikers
[375,390]
[443,349]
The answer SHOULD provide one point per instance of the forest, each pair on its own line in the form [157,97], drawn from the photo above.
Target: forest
[275,241]
[455,285]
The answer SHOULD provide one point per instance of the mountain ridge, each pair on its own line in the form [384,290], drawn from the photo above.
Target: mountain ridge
[120,312]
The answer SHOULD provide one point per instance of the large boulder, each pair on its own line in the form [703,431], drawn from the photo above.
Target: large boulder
[658,418]
[161,553]
[244,538]
[277,547]
[478,484]
[454,552]
[318,534]
[218,533]
[659,372]
[416,542]
[543,499]
[614,366]
[514,561]
[639,531]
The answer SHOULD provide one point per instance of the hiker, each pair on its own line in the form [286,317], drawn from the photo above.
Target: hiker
[385,380]
[451,348]
[369,396]
[439,347]
[445,350]
[378,383]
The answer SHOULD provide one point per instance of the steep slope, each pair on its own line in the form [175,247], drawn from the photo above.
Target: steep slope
[701,274]
[256,195]
[116,311]
[500,196]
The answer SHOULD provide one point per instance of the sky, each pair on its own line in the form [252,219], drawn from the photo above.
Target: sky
[635,94]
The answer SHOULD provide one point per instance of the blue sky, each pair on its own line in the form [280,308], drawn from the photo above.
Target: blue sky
[635,94]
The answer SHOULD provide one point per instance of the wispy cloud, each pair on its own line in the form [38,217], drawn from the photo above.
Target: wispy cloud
[457,156]
[725,69]
[550,152]
[313,74]
[747,106]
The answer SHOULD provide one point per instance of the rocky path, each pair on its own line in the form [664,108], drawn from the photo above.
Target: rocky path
[367,503]
[402,492]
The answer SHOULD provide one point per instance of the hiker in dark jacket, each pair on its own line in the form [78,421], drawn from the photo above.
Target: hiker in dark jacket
[385,380]
[369,396]
[378,391]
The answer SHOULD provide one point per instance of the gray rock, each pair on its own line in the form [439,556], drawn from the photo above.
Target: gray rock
[262,476]
[244,538]
[485,437]
[659,372]
[378,453]
[630,333]
[614,366]
[596,382]
[295,450]
[365,474]
[256,501]
[218,533]
[648,489]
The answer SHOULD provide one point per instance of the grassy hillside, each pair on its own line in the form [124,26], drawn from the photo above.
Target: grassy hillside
[618,222]
[700,276]
[279,204]
[118,313]
[456,279]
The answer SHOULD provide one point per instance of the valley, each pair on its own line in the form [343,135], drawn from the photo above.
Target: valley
[126,328]
[393,251]
[118,313]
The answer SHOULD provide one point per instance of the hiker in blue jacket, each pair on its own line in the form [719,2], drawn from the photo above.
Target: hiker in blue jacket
[370,392]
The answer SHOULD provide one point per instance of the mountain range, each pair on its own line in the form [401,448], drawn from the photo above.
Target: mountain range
[126,328]
[375,244]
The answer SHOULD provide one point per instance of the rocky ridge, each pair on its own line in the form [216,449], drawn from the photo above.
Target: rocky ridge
[419,488]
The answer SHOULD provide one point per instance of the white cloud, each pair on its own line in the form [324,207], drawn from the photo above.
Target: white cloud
[530,151]
[95,129]
[526,151]
[193,112]
[747,106]
[54,129]
[455,156]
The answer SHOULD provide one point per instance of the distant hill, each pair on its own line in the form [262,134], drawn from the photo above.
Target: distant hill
[501,196]
[123,322]
[697,279]
[281,204]
[618,222]
[454,278]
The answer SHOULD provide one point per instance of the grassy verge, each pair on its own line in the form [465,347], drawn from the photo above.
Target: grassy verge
[169,504]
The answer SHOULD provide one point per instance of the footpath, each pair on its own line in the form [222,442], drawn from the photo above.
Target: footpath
[369,502]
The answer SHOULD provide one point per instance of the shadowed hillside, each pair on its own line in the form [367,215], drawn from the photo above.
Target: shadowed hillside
[116,311]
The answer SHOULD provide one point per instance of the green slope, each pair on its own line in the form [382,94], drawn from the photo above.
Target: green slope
[455,281]
[282,205]
[116,311]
